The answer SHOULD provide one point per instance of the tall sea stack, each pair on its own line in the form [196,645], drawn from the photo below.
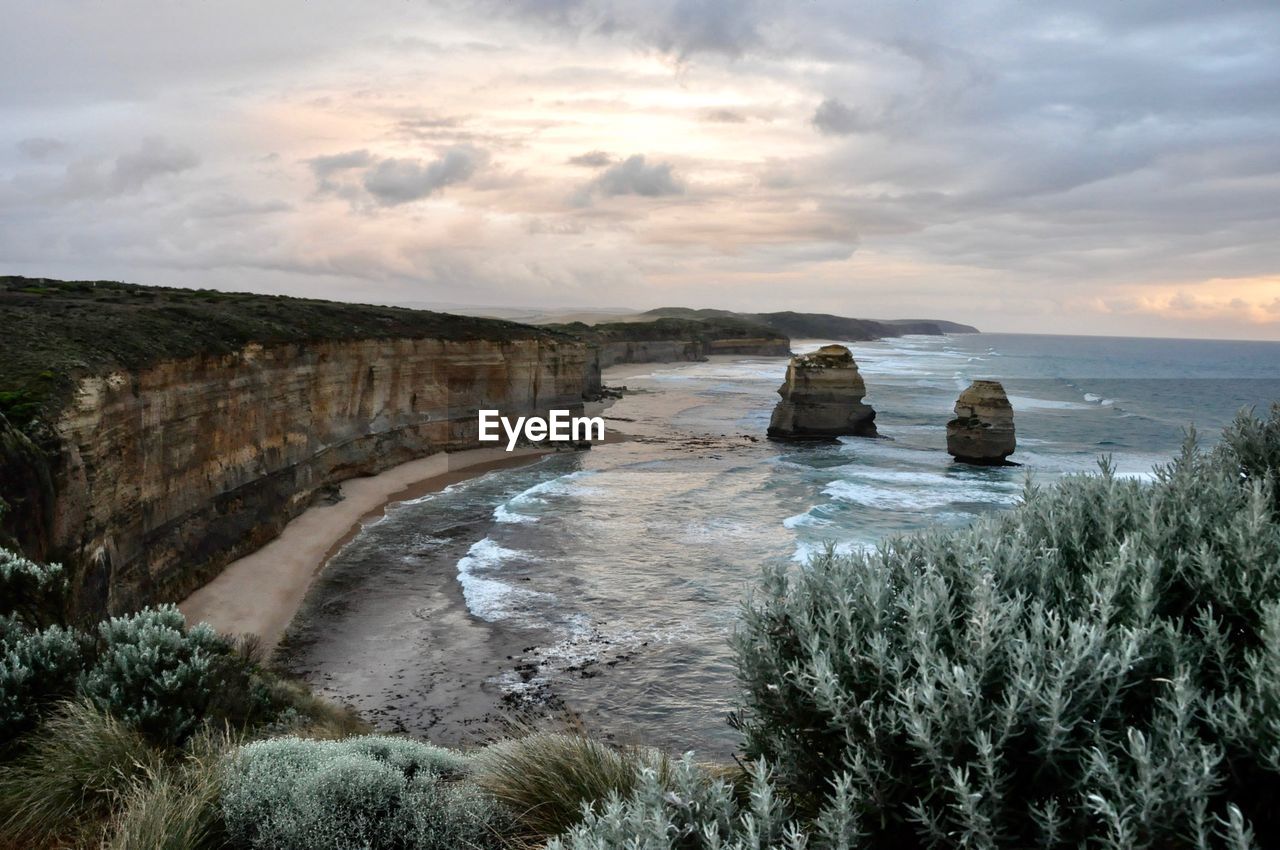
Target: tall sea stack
[822,398]
[982,432]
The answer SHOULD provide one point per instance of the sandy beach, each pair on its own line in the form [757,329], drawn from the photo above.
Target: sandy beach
[260,593]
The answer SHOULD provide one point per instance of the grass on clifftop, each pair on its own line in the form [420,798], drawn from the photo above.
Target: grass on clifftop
[704,329]
[56,331]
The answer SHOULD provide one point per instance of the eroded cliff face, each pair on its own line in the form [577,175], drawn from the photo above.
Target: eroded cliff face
[676,350]
[168,473]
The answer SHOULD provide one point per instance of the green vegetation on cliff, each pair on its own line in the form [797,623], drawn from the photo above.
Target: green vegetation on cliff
[706,329]
[821,325]
[56,331]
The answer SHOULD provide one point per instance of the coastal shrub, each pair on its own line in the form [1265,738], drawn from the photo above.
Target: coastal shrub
[1099,666]
[687,810]
[546,778]
[373,792]
[36,670]
[154,672]
[33,593]
[70,776]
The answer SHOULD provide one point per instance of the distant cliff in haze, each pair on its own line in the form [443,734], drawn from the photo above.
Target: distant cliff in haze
[821,325]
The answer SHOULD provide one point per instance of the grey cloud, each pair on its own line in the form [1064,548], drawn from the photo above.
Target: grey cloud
[635,176]
[724,116]
[155,157]
[398,181]
[326,166]
[128,173]
[679,28]
[592,159]
[836,119]
[40,147]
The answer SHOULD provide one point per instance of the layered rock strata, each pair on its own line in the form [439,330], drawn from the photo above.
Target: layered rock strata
[982,432]
[166,474]
[822,398]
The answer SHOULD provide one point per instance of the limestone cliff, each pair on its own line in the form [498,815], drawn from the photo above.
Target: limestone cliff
[822,398]
[165,466]
[670,340]
[982,432]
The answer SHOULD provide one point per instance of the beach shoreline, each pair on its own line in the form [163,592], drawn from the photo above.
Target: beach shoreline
[260,593]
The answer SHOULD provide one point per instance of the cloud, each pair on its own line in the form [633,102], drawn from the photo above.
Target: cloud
[634,176]
[40,147]
[997,164]
[155,157]
[326,166]
[836,119]
[678,28]
[399,181]
[95,177]
[724,116]
[592,159]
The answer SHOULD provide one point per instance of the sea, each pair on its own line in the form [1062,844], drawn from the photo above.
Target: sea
[600,588]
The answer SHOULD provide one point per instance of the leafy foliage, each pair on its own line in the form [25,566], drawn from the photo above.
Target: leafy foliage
[36,670]
[370,792]
[1099,666]
[33,593]
[690,811]
[155,673]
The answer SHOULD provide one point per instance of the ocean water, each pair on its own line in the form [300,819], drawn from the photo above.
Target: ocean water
[602,586]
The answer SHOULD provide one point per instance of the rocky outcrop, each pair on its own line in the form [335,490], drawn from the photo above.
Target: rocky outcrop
[167,474]
[982,432]
[822,398]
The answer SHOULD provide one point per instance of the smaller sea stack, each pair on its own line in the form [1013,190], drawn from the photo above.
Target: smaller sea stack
[822,398]
[982,432]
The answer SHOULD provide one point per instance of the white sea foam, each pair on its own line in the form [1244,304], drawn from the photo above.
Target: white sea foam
[565,485]
[805,520]
[871,495]
[504,514]
[1020,402]
[806,549]
[488,598]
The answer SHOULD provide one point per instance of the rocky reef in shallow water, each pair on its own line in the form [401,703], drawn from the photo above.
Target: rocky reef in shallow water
[822,398]
[982,432]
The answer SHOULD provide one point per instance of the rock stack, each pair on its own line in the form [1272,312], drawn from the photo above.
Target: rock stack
[822,398]
[982,432]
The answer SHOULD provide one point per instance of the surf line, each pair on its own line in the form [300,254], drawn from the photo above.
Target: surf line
[558,425]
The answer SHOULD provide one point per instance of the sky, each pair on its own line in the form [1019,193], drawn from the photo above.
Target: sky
[1096,167]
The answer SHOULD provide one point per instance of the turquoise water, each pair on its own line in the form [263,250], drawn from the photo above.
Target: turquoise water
[617,573]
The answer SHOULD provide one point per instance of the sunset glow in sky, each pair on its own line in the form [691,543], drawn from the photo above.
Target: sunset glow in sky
[1074,167]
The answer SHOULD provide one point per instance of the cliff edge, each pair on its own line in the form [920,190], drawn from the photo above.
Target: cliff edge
[149,436]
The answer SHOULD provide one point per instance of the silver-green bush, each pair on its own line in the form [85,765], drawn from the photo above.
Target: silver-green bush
[372,792]
[1100,666]
[154,672]
[34,593]
[690,811]
[36,670]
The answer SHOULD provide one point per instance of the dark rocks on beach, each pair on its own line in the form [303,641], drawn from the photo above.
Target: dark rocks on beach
[822,398]
[982,432]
